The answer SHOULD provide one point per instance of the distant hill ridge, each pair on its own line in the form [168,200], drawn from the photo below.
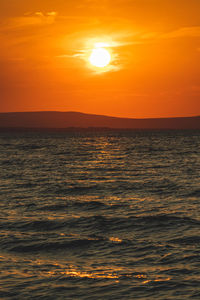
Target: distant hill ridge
[55,119]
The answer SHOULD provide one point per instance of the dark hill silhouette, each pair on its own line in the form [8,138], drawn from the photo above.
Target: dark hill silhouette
[51,119]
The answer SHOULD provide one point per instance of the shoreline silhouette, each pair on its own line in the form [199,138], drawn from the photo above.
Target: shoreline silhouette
[75,120]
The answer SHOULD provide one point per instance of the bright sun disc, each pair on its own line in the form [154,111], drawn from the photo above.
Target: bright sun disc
[100,57]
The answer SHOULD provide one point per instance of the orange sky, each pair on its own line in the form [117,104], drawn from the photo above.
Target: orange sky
[154,44]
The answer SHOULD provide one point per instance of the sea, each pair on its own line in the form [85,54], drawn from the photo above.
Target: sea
[100,215]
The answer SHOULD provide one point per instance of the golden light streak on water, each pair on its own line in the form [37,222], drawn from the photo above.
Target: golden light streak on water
[115,239]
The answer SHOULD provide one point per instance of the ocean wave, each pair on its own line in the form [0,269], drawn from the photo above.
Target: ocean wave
[94,222]
[188,240]
[33,225]
[195,193]
[79,244]
[83,205]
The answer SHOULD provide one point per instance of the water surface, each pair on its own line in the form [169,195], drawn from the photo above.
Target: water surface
[105,215]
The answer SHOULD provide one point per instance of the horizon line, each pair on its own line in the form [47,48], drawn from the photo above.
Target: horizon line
[95,114]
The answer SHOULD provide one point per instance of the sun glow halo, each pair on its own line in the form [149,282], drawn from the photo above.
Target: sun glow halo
[100,57]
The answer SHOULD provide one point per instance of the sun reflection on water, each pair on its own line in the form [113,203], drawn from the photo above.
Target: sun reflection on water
[115,239]
[53,269]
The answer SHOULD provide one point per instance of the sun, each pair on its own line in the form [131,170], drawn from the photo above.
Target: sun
[100,57]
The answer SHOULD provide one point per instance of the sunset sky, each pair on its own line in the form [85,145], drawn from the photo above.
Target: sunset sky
[154,47]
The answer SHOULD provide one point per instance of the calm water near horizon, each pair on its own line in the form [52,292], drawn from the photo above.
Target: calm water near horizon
[100,215]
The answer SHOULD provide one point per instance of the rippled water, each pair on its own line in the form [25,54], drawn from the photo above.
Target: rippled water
[105,215]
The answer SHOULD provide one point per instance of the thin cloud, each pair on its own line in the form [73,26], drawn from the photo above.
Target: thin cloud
[29,19]
[39,14]
[193,31]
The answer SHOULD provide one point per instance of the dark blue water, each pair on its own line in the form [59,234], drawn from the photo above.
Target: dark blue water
[105,215]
